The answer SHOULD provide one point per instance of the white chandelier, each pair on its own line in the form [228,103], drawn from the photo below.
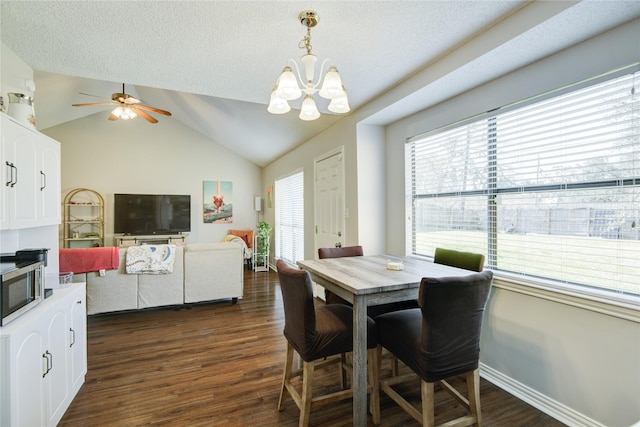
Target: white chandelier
[288,89]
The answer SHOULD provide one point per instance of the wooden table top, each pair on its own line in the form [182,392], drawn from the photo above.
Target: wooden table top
[363,275]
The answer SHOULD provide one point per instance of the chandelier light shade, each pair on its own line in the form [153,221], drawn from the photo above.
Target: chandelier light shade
[309,110]
[290,87]
[278,105]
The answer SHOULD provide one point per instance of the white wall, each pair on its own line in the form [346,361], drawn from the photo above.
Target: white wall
[164,158]
[342,134]
[371,189]
[574,358]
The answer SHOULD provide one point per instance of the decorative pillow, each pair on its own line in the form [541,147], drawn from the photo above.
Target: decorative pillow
[246,235]
[232,238]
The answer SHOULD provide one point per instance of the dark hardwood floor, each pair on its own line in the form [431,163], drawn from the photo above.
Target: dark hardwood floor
[220,364]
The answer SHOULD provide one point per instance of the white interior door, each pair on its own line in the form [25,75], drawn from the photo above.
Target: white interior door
[329,203]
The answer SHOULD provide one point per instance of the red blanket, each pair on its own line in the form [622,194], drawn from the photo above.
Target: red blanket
[84,260]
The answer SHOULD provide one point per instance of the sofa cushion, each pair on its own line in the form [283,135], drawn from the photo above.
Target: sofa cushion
[163,289]
[114,291]
[213,271]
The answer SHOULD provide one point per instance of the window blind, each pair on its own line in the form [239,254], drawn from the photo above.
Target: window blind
[547,190]
[289,207]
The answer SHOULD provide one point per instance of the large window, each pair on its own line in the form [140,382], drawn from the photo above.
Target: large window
[548,190]
[289,205]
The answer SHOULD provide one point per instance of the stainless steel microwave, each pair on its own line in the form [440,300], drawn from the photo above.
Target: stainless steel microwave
[21,288]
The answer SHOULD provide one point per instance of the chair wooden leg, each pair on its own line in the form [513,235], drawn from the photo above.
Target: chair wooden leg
[473,389]
[374,381]
[286,376]
[394,366]
[426,391]
[343,371]
[307,385]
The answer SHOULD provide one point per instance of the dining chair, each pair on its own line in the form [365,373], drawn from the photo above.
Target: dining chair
[319,334]
[344,251]
[466,260]
[372,311]
[439,340]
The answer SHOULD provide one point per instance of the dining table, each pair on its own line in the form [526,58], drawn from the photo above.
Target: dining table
[366,281]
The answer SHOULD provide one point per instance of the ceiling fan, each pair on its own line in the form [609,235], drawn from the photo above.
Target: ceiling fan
[127,107]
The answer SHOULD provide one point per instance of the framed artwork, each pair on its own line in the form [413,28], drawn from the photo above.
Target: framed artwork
[217,202]
[269,192]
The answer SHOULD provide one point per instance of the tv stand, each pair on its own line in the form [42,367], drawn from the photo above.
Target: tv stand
[160,239]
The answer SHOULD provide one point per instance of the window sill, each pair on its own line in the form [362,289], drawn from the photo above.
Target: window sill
[609,303]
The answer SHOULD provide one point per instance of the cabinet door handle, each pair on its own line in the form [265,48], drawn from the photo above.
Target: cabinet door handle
[49,358]
[12,181]
[43,180]
[10,173]
[15,180]
[73,337]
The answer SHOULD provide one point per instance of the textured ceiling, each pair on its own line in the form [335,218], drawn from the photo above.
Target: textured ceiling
[213,63]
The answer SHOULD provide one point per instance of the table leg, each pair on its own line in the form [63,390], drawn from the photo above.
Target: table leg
[359,361]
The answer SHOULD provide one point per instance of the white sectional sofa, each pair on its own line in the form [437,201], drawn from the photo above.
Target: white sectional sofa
[201,272]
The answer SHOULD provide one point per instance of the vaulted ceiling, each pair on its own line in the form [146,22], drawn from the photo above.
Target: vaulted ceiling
[213,63]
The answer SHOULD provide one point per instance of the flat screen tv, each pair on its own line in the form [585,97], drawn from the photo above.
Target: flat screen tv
[145,214]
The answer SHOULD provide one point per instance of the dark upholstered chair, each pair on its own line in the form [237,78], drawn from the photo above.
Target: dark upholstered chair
[345,251]
[439,340]
[466,260]
[317,334]
[372,311]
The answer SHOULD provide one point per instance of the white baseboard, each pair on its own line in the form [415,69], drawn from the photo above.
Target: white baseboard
[538,400]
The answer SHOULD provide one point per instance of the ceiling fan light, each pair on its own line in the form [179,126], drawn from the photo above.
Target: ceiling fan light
[277,105]
[332,85]
[288,88]
[131,115]
[124,113]
[309,110]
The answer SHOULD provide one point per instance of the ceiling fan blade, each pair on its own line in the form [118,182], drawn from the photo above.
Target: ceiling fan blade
[153,109]
[144,115]
[92,104]
[113,117]
[95,96]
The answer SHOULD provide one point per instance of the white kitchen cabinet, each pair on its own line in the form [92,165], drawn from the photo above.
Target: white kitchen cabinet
[77,342]
[30,192]
[43,362]
[48,186]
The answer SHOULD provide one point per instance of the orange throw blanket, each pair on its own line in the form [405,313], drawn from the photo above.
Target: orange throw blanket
[84,260]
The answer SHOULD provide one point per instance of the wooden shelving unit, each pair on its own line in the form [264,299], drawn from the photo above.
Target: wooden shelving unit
[83,219]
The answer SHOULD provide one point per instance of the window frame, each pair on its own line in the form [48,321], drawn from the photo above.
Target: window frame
[625,305]
[294,202]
